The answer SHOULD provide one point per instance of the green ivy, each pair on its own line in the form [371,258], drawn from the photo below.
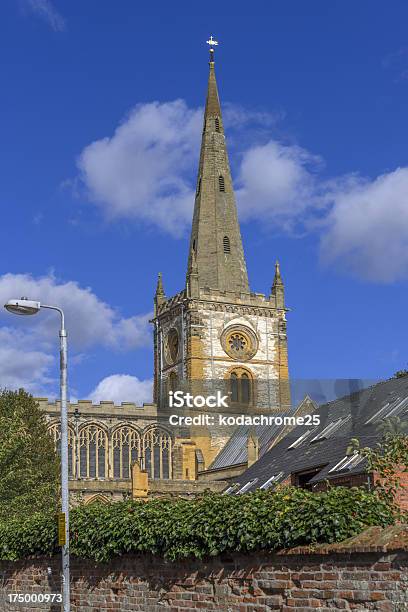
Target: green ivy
[203,527]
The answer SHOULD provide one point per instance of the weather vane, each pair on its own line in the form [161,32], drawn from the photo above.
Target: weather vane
[212,44]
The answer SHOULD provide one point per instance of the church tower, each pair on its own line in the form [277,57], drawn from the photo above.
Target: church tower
[216,328]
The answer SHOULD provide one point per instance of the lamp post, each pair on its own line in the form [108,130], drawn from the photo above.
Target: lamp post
[24,306]
[77,416]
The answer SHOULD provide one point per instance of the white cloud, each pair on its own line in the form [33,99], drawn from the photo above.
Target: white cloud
[362,224]
[143,170]
[367,228]
[146,171]
[21,365]
[123,388]
[89,320]
[28,345]
[277,183]
[46,10]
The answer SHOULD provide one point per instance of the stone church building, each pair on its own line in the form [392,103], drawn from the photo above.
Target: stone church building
[214,332]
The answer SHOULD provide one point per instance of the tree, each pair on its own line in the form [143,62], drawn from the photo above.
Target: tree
[401,373]
[393,426]
[29,465]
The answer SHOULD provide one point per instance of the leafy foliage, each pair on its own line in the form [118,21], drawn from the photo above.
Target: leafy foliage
[393,426]
[23,536]
[401,373]
[29,466]
[202,527]
[388,459]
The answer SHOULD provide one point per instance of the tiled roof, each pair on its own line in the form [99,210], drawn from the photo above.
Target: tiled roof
[235,451]
[391,397]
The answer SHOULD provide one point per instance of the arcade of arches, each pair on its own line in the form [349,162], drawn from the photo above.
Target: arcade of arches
[96,453]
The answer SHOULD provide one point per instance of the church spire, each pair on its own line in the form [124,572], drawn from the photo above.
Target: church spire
[212,105]
[216,254]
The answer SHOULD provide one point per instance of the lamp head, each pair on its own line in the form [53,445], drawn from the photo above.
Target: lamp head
[23,306]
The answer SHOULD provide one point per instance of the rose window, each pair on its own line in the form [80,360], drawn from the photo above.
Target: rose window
[237,343]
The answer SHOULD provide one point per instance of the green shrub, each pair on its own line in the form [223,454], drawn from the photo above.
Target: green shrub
[23,537]
[202,527]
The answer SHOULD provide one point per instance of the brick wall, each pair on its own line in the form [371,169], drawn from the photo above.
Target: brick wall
[359,575]
[402,493]
[352,480]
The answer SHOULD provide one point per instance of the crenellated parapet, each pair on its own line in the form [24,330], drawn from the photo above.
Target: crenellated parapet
[103,409]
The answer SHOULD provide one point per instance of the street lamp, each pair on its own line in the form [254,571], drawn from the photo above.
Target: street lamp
[24,306]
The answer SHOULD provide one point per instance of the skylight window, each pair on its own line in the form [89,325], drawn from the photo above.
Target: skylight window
[247,486]
[231,489]
[301,439]
[398,406]
[348,463]
[271,481]
[379,414]
[330,429]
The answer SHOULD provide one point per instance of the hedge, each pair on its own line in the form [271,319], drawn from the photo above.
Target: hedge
[202,527]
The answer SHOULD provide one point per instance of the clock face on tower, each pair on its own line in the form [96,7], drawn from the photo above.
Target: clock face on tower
[172,345]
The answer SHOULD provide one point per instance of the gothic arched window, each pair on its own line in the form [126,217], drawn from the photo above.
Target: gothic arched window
[241,386]
[245,388]
[227,245]
[125,449]
[217,124]
[157,451]
[234,387]
[55,432]
[221,183]
[93,452]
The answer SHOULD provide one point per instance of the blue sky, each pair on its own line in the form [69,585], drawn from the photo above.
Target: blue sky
[101,112]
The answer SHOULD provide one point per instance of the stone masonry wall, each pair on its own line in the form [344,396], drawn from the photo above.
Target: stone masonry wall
[263,366]
[359,576]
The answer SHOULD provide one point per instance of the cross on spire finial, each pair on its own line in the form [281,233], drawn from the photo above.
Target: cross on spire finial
[213,43]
